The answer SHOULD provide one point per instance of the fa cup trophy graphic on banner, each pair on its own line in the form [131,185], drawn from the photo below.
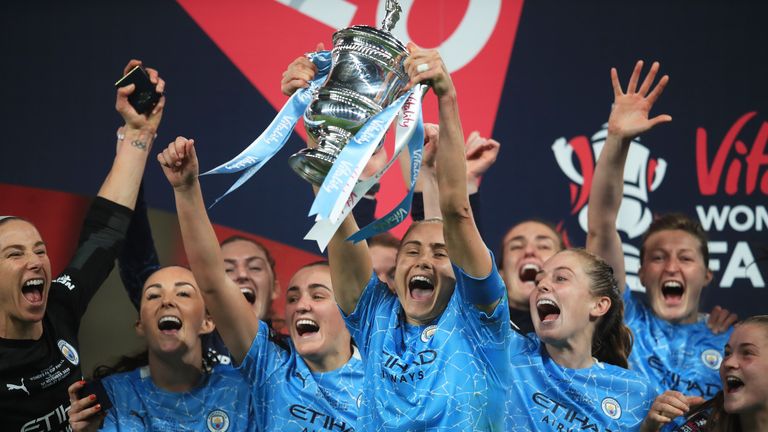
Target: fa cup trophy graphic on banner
[367,75]
[643,174]
[359,89]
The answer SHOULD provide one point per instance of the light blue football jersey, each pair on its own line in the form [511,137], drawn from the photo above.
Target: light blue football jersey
[221,403]
[451,375]
[288,396]
[549,397]
[682,357]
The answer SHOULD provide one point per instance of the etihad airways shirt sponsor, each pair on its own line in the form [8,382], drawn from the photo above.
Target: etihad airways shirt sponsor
[288,396]
[549,397]
[450,375]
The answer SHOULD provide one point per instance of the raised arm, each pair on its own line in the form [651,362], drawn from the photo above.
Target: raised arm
[628,119]
[135,140]
[106,224]
[234,319]
[351,265]
[465,246]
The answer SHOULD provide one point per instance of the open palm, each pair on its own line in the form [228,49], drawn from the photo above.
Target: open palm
[630,112]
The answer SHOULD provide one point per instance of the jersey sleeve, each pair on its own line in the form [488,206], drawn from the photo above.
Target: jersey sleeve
[138,258]
[487,328]
[266,354]
[375,303]
[100,241]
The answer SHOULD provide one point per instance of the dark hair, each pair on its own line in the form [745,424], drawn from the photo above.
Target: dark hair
[719,420]
[612,341]
[415,224]
[756,319]
[677,221]
[160,268]
[550,225]
[384,239]
[234,238]
[4,219]
[319,263]
[126,363]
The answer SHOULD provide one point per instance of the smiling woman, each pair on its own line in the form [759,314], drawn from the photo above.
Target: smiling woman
[28,265]
[434,343]
[524,249]
[578,357]
[39,315]
[312,379]
[742,405]
[172,319]
[673,348]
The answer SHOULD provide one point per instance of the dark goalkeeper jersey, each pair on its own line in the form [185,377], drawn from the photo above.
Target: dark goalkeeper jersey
[35,374]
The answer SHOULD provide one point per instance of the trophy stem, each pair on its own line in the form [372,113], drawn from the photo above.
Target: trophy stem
[366,76]
[312,164]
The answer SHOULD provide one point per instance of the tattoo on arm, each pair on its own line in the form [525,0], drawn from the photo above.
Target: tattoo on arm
[139,144]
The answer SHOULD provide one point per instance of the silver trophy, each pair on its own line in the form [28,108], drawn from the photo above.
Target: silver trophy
[367,74]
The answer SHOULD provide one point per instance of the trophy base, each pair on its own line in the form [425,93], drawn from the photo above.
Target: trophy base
[312,164]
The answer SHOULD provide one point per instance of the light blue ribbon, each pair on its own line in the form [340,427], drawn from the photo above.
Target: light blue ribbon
[398,214]
[274,137]
[349,164]
[323,229]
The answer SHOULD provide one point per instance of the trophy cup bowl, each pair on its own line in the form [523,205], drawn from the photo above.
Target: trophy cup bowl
[367,74]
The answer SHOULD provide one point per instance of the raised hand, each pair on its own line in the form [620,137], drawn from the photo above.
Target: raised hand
[84,414]
[721,319]
[299,73]
[431,138]
[666,407]
[481,154]
[179,163]
[427,66]
[134,120]
[630,111]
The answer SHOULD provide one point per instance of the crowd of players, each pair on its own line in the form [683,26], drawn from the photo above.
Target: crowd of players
[431,332]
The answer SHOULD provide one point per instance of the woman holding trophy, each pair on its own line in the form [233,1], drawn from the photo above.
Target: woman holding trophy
[435,351]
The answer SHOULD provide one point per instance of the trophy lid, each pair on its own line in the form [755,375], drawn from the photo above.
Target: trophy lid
[372,36]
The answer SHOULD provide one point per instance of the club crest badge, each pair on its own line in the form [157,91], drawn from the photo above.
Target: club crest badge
[218,421]
[69,352]
[611,408]
[712,358]
[428,332]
